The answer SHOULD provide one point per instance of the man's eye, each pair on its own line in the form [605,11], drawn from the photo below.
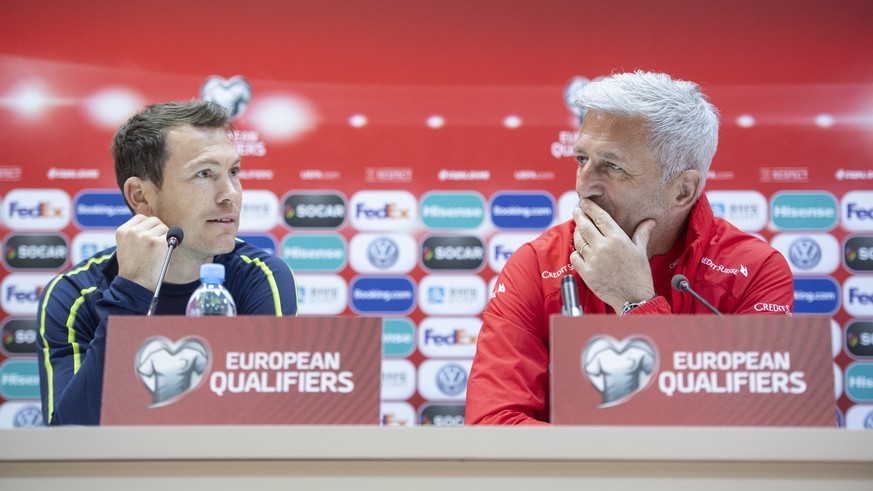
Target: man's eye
[613,166]
[581,160]
[234,172]
[203,173]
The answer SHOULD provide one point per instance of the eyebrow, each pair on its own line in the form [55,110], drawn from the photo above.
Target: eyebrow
[602,155]
[213,162]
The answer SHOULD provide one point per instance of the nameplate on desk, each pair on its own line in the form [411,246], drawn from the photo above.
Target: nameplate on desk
[692,370]
[174,370]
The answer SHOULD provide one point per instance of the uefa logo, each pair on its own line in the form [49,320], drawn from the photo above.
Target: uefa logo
[619,370]
[169,370]
[232,94]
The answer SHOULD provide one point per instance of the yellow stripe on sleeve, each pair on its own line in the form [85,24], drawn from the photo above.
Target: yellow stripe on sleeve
[277,300]
[49,371]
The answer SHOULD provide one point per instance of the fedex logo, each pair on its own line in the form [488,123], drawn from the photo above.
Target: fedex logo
[13,293]
[857,211]
[453,338]
[384,210]
[502,246]
[387,212]
[858,296]
[502,253]
[37,209]
[449,337]
[21,292]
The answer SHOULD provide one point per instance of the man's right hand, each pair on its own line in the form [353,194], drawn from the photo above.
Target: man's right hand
[141,245]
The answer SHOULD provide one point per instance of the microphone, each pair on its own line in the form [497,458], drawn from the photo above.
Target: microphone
[680,283]
[570,297]
[174,238]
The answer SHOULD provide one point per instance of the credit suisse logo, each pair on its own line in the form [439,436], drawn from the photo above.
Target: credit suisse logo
[534,210]
[86,244]
[858,296]
[382,253]
[25,251]
[816,296]
[746,210]
[448,337]
[374,211]
[809,253]
[501,247]
[101,209]
[450,415]
[452,210]
[305,252]
[452,295]
[453,252]
[858,253]
[314,210]
[398,380]
[857,211]
[321,294]
[259,212]
[19,336]
[444,380]
[37,209]
[859,339]
[804,211]
[21,292]
[382,295]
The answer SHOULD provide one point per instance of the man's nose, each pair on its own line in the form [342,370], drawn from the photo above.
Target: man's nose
[228,189]
[588,182]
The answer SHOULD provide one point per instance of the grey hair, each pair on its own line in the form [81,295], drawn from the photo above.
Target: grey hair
[683,124]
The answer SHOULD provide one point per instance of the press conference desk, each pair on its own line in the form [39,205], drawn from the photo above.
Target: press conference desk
[448,459]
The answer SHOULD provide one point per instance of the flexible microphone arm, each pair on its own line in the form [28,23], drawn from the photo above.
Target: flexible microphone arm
[680,283]
[174,238]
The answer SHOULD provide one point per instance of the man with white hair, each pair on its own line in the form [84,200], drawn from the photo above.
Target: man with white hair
[643,153]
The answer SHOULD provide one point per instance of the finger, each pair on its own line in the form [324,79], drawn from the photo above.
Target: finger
[578,241]
[643,233]
[599,218]
[585,229]
[577,261]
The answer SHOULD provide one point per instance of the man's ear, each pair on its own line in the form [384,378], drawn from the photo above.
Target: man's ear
[683,189]
[138,196]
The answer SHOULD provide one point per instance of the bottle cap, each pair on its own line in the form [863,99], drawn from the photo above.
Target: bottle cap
[212,271]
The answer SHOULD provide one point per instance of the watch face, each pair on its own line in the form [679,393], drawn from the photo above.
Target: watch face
[628,306]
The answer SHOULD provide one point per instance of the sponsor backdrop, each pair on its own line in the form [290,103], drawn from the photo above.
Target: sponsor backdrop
[396,154]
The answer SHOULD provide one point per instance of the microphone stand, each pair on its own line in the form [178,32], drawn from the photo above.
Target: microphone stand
[174,238]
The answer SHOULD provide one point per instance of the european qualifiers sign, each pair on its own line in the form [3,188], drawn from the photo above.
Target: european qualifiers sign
[242,370]
[765,370]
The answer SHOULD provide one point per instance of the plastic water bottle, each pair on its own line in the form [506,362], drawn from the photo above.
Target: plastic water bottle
[211,297]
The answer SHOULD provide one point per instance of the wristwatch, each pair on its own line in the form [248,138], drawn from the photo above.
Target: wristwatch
[628,306]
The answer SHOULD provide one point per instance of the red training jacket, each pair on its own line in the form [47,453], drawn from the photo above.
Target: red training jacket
[509,382]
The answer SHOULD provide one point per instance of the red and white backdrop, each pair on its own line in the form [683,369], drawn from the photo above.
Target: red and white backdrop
[395,154]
